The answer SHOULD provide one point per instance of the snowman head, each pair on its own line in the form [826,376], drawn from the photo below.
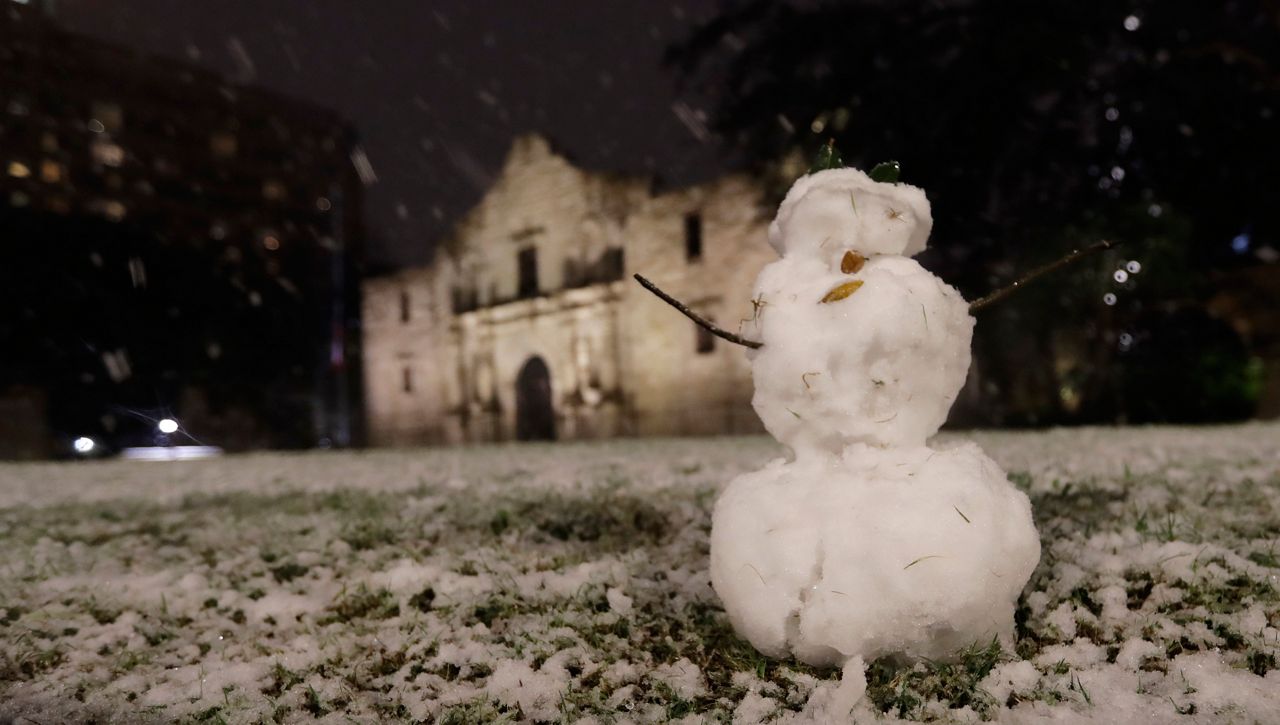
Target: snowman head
[829,212]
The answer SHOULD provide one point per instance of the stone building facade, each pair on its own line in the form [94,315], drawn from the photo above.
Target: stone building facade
[528,324]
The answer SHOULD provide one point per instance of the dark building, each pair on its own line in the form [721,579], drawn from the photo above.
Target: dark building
[174,245]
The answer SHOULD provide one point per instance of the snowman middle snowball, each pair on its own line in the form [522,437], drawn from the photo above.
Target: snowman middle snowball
[869,542]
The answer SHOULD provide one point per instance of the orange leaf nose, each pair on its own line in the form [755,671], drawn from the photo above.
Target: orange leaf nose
[841,291]
[852,262]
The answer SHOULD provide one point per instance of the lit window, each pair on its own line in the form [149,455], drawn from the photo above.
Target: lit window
[106,117]
[273,190]
[223,144]
[50,171]
[693,237]
[19,170]
[109,208]
[107,153]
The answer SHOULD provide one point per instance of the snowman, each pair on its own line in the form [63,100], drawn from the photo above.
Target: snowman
[866,541]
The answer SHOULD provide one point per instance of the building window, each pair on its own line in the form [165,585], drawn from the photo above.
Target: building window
[223,144]
[693,237]
[612,264]
[705,342]
[51,172]
[404,305]
[106,117]
[527,262]
[273,190]
[572,274]
[406,381]
[106,153]
[465,300]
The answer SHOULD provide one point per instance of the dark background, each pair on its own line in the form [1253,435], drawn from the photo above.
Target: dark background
[1034,127]
[438,89]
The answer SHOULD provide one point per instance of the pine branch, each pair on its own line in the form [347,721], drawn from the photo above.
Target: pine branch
[699,320]
[1038,272]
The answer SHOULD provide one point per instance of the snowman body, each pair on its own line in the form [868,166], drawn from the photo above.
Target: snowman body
[868,542]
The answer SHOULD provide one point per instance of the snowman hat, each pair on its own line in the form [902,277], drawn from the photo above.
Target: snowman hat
[846,209]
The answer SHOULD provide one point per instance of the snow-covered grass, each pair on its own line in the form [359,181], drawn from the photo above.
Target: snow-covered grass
[570,582]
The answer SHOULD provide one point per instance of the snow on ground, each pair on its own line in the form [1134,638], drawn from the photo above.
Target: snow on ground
[562,583]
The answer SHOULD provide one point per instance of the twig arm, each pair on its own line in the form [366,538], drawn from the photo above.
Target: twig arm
[698,319]
[1038,272]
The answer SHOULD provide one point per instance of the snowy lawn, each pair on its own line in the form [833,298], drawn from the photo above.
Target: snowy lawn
[557,583]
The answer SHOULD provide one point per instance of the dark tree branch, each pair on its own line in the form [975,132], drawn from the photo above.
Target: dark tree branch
[699,320]
[1038,272]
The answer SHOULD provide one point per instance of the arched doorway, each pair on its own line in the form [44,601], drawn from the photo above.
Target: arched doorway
[535,418]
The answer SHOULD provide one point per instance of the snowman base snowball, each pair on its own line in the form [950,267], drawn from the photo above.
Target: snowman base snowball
[909,551]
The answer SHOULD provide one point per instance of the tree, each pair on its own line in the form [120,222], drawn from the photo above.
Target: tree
[1034,127]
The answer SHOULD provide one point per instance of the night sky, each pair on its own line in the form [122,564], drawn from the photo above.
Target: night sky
[437,90]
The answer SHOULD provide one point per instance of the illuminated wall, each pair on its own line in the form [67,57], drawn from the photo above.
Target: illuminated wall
[540,273]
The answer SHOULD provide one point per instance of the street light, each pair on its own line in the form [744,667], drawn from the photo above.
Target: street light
[168,425]
[84,445]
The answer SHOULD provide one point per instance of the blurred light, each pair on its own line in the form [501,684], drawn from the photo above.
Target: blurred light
[19,170]
[271,242]
[84,445]
[1117,173]
[364,169]
[109,208]
[1133,266]
[1121,276]
[167,425]
[1155,211]
[273,190]
[50,171]
[323,204]
[1109,299]
[223,144]
[96,126]
[1126,341]
[107,154]
[1112,113]
[170,453]
[1132,23]
[1126,138]
[1240,243]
